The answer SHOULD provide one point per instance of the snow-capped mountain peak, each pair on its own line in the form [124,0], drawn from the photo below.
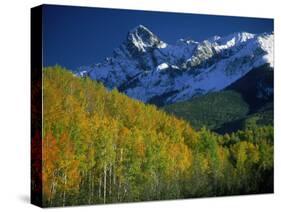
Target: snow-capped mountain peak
[214,38]
[143,39]
[235,39]
[146,68]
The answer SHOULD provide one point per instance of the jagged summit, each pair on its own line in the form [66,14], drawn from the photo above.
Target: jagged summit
[143,39]
[146,68]
[214,38]
[235,38]
[140,29]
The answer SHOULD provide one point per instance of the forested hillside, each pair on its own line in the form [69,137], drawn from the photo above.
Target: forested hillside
[244,104]
[100,146]
[211,110]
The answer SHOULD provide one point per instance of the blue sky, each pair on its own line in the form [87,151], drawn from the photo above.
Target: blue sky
[76,36]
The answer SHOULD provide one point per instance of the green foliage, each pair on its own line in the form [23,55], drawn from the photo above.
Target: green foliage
[223,112]
[101,147]
[211,110]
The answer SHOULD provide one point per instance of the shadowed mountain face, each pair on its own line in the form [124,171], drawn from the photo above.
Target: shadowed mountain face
[246,103]
[146,68]
[256,87]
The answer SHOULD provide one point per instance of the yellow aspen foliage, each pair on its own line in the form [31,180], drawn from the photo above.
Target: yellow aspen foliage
[100,146]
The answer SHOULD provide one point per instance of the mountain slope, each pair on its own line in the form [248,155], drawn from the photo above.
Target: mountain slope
[245,103]
[211,110]
[256,87]
[148,69]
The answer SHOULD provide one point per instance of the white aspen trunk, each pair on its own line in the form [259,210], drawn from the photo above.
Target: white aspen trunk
[110,171]
[53,190]
[119,183]
[100,186]
[89,187]
[114,179]
[114,176]
[64,192]
[104,184]
[93,186]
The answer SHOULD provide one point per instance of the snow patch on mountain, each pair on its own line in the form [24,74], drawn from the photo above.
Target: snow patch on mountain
[162,66]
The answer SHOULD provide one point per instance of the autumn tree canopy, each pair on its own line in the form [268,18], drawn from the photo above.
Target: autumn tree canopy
[100,146]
